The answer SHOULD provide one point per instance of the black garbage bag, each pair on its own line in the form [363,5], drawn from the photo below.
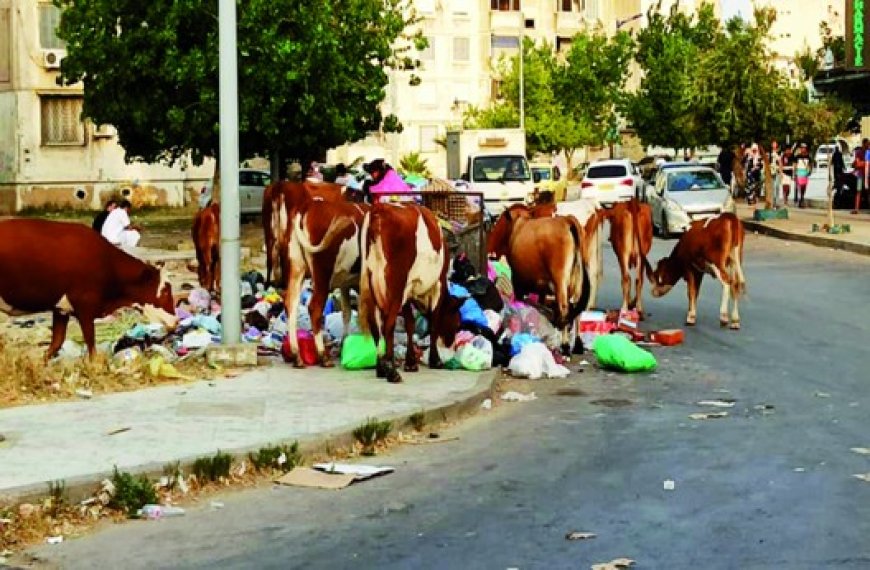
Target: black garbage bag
[463,269]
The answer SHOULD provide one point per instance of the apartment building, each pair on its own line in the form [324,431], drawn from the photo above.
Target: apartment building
[466,39]
[48,155]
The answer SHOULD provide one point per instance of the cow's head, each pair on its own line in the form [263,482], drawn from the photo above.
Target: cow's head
[153,297]
[500,236]
[447,319]
[664,277]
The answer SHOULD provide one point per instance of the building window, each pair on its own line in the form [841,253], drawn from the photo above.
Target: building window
[428,54]
[49,19]
[62,120]
[5,46]
[530,23]
[504,5]
[572,5]
[505,42]
[563,45]
[495,90]
[461,47]
[428,135]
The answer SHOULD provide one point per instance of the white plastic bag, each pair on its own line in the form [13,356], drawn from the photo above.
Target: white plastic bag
[534,361]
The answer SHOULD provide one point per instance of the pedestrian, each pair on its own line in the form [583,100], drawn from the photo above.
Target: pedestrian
[775,171]
[314,174]
[754,164]
[118,229]
[787,168]
[725,162]
[803,169]
[100,218]
[861,170]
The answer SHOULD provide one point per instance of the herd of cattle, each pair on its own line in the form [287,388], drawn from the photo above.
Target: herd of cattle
[393,254]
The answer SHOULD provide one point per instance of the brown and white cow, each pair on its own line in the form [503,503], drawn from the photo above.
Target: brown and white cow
[206,234]
[713,246]
[334,263]
[281,200]
[69,269]
[546,257]
[405,260]
[631,235]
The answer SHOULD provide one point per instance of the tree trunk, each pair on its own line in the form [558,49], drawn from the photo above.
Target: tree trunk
[275,165]
[569,160]
[768,178]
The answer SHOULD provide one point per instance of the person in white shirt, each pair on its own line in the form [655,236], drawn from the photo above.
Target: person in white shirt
[118,229]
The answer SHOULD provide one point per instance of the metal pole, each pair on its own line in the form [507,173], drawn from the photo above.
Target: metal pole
[522,85]
[231,314]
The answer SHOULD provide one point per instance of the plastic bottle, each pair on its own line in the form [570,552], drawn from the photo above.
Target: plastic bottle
[154,512]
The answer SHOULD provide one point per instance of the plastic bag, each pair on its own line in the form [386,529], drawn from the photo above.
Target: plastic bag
[307,350]
[359,353]
[476,355]
[493,320]
[534,361]
[520,340]
[470,312]
[616,351]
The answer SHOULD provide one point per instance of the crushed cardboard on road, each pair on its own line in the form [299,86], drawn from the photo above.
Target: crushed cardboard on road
[708,415]
[577,535]
[614,564]
[307,477]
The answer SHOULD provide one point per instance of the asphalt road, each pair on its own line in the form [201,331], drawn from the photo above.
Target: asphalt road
[767,487]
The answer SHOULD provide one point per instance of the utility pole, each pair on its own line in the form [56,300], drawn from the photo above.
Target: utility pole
[522,85]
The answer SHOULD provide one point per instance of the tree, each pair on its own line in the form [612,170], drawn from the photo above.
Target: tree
[837,44]
[669,49]
[312,73]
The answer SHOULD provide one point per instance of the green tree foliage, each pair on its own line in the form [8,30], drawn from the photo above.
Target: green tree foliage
[312,73]
[837,44]
[669,49]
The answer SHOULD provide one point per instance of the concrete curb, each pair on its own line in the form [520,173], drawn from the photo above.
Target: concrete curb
[831,243]
[83,487]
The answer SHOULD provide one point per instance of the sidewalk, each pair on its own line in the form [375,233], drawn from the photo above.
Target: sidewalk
[71,441]
[800,223]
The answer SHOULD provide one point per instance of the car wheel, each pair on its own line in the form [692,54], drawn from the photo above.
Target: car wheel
[665,232]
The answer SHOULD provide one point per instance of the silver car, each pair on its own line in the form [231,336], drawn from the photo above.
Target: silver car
[252,184]
[685,194]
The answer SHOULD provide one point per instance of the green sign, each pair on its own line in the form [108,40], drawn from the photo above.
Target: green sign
[857,23]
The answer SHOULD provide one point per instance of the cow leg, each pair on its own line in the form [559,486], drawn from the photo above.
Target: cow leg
[723,306]
[435,362]
[315,311]
[86,321]
[291,307]
[59,322]
[638,291]
[736,284]
[411,352]
[626,282]
[693,285]
[389,359]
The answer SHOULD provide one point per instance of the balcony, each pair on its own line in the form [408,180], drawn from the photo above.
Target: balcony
[568,23]
[508,22]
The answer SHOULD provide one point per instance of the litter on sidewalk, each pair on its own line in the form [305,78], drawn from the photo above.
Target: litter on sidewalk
[307,477]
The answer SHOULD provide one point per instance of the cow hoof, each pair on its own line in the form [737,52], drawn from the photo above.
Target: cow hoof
[723,322]
[411,367]
[690,322]
[393,376]
[566,350]
[735,326]
[381,370]
[327,362]
[298,363]
[641,315]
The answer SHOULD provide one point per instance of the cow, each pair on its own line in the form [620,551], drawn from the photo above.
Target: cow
[631,236]
[69,269]
[280,201]
[334,263]
[713,246]
[206,234]
[404,261]
[546,257]
[589,213]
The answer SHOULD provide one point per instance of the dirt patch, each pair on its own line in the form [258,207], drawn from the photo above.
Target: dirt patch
[612,403]
[571,392]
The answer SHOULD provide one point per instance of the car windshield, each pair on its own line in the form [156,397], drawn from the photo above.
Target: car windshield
[606,171]
[543,173]
[825,150]
[693,181]
[496,168]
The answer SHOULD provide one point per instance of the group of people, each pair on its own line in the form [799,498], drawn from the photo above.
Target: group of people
[789,169]
[114,224]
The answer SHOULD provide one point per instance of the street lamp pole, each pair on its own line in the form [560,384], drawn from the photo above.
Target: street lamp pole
[522,85]
[229,173]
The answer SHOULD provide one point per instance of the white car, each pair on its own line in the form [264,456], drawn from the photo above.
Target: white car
[684,194]
[252,184]
[823,155]
[610,181]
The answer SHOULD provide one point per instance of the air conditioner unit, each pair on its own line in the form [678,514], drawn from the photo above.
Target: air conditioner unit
[104,131]
[51,58]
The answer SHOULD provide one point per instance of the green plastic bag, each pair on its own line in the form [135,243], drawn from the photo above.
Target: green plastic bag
[358,352]
[616,351]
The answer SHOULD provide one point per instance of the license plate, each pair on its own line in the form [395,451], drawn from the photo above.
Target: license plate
[605,186]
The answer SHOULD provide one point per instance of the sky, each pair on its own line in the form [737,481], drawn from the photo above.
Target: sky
[731,8]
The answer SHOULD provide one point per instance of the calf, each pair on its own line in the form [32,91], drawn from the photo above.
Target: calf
[405,260]
[546,257]
[69,269]
[713,246]
[631,236]
[333,264]
[206,233]
[281,200]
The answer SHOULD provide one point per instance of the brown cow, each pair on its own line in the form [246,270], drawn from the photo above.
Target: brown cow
[206,233]
[713,246]
[405,260]
[631,236]
[69,269]
[546,257]
[333,264]
[280,202]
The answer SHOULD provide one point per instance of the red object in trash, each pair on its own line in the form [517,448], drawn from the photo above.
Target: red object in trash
[668,337]
[307,350]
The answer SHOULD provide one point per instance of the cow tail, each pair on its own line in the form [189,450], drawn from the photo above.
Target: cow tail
[337,226]
[634,209]
[579,272]
[737,254]
[366,308]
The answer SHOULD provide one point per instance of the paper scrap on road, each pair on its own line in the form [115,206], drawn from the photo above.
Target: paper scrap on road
[861,450]
[717,403]
[359,472]
[54,539]
[119,430]
[862,476]
[822,395]
[669,484]
[577,535]
[614,564]
[517,397]
[306,477]
[708,415]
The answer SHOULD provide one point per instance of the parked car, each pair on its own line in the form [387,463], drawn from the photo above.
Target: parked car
[683,194]
[548,178]
[824,154]
[611,181]
[252,184]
